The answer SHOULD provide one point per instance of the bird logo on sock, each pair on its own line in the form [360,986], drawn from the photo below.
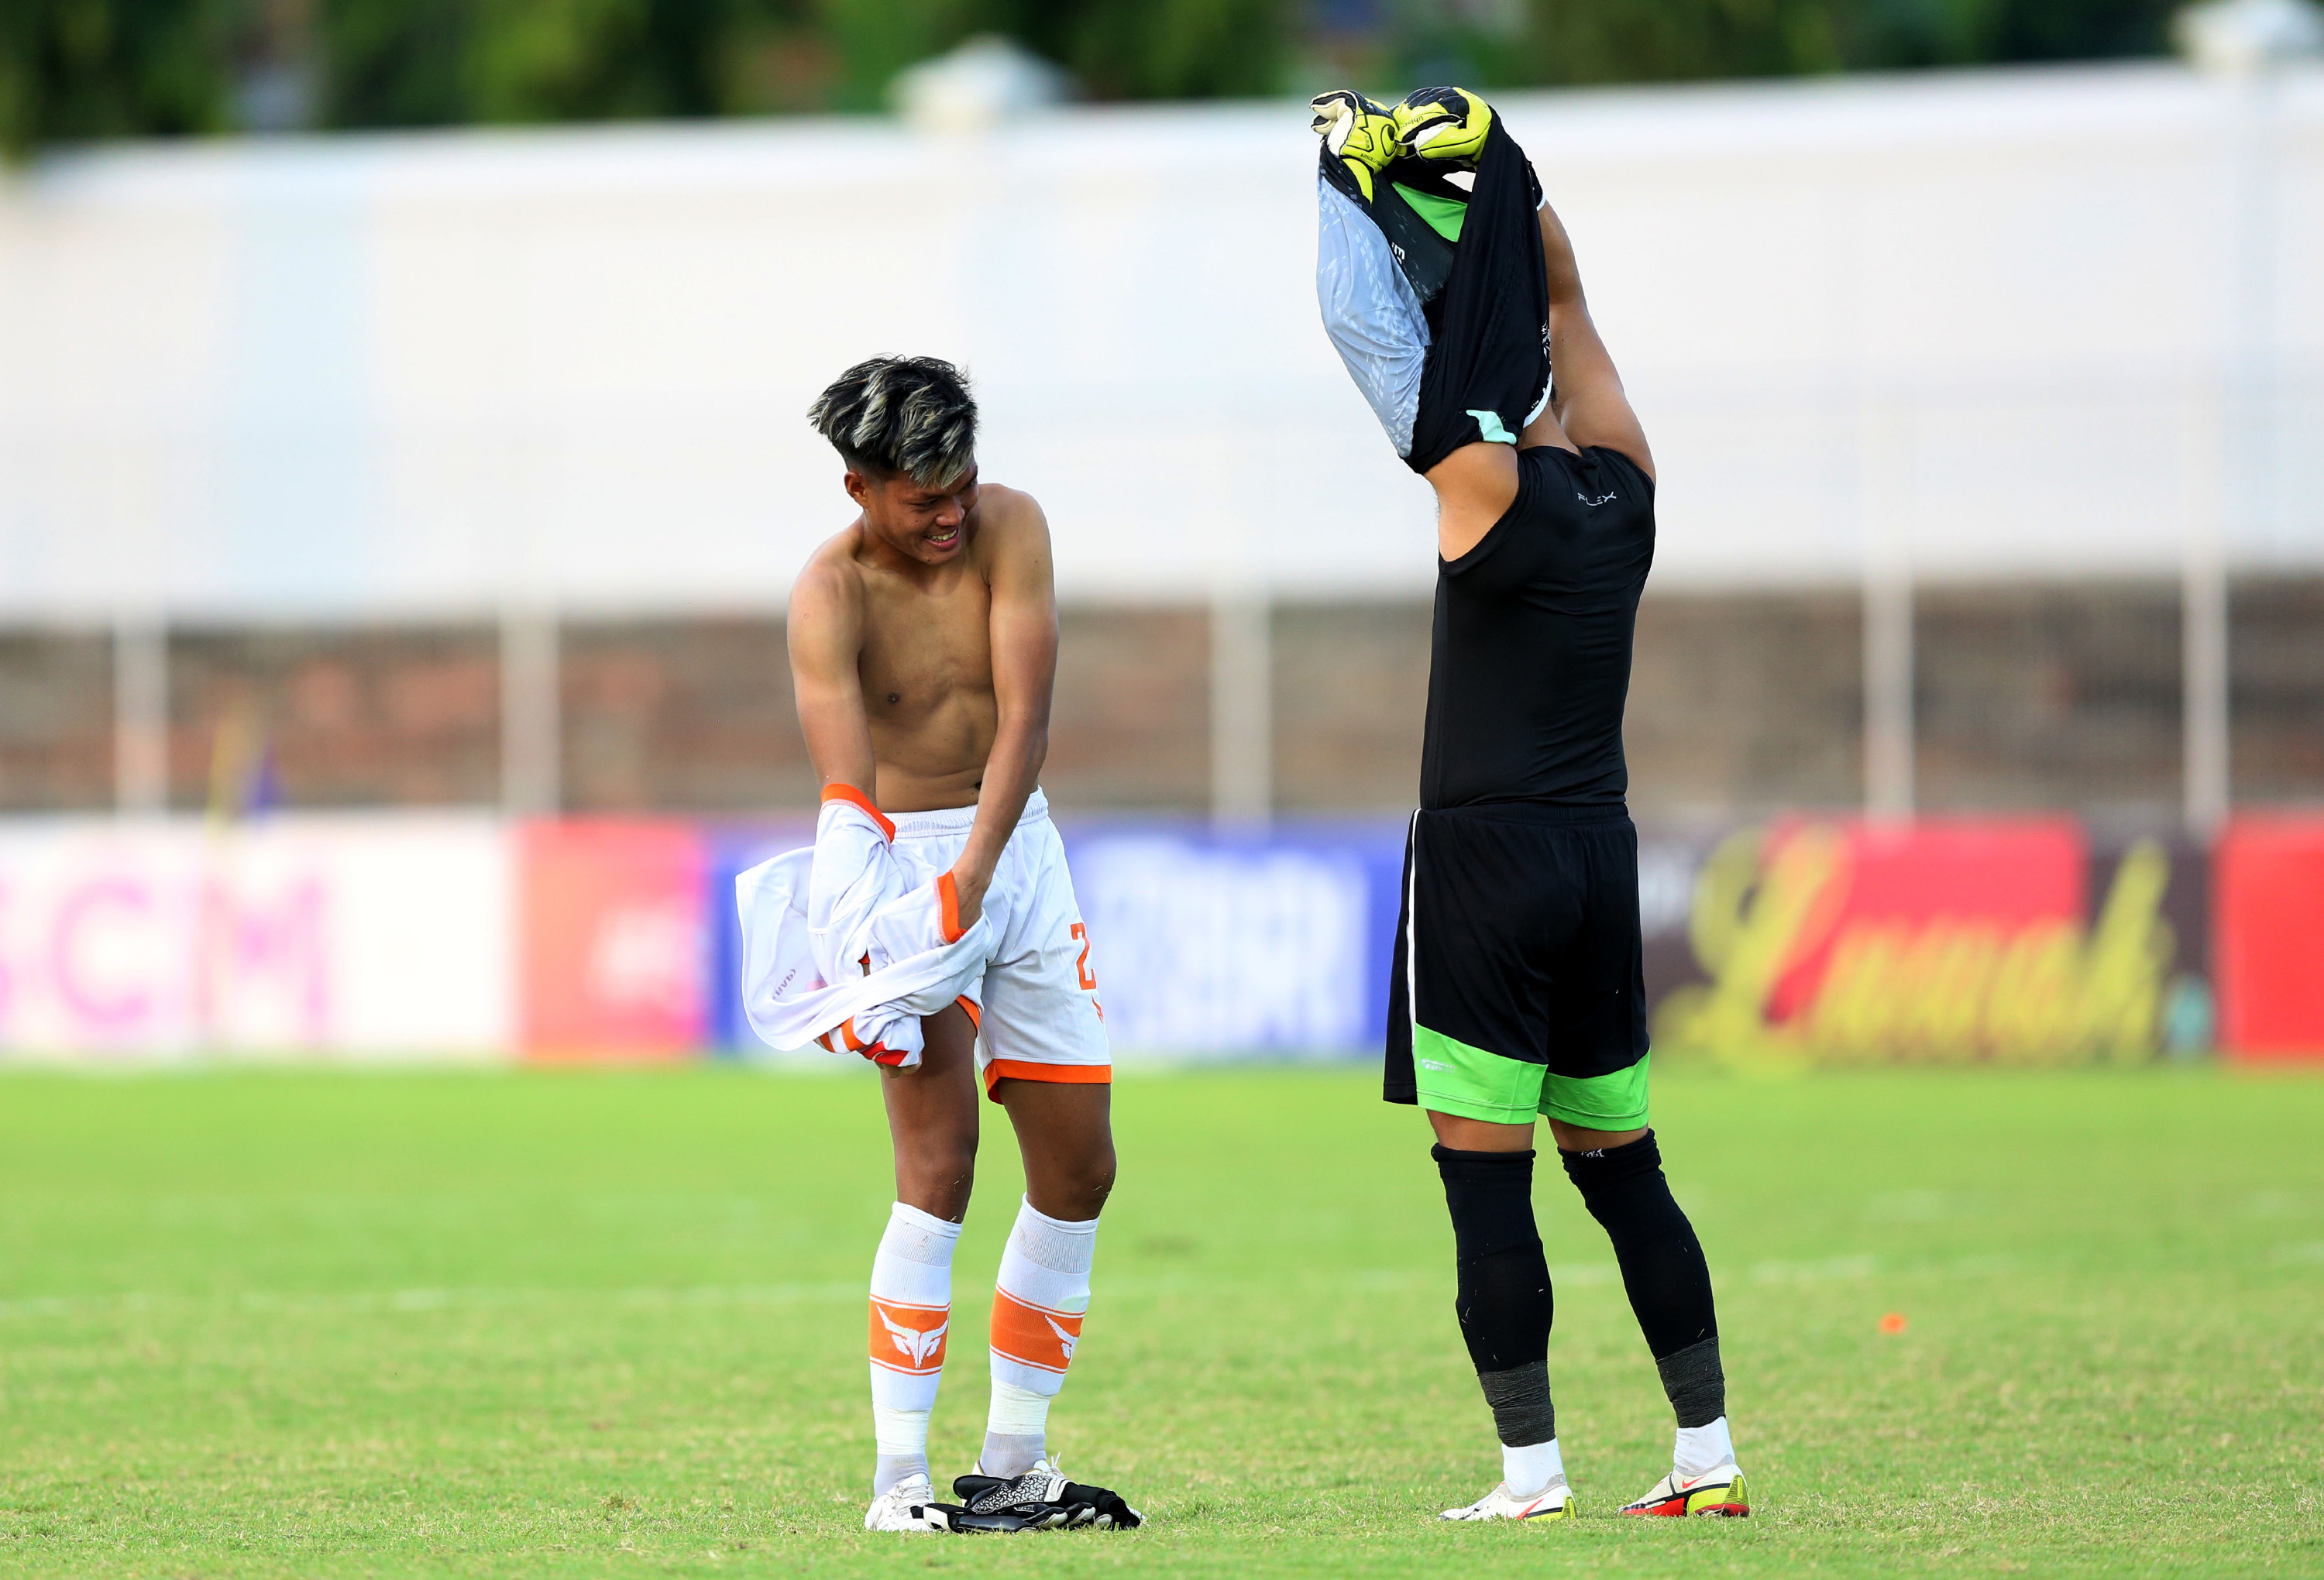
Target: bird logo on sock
[1066,1341]
[918,1343]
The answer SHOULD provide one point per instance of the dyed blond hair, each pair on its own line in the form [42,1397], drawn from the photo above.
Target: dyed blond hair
[900,416]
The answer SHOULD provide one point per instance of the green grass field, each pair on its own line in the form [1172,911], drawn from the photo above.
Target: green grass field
[299,1324]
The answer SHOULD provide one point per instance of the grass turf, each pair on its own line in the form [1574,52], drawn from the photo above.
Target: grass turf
[305,1324]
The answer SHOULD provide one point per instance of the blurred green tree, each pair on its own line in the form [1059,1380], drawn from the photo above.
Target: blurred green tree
[1155,48]
[1577,42]
[873,40]
[73,69]
[437,62]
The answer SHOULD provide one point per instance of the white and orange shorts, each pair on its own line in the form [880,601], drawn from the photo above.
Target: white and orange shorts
[1038,1017]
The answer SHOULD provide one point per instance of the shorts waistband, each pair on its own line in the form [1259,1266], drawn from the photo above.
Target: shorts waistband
[959,820]
[1538,813]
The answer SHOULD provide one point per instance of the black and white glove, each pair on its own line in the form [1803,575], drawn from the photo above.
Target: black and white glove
[1041,1500]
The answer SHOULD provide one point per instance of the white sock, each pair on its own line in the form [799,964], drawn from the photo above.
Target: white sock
[911,1312]
[1018,1412]
[1529,1470]
[1037,1304]
[1702,1450]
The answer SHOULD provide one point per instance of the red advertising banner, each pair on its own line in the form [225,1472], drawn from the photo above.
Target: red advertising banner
[1943,941]
[614,946]
[2269,917]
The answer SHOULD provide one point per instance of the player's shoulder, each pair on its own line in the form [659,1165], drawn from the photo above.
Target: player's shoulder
[831,580]
[1008,510]
[1008,523]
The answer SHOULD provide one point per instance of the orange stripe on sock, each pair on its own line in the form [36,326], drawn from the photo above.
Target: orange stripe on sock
[1033,1335]
[850,793]
[909,1338]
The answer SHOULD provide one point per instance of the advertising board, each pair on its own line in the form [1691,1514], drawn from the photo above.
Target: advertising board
[1796,943]
[1210,944]
[2013,941]
[359,935]
[2270,917]
[615,938]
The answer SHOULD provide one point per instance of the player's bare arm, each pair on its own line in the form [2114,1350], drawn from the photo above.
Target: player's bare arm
[1587,407]
[824,632]
[1012,547]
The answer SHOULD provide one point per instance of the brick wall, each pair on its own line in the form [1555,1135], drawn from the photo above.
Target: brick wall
[362,716]
[2049,697]
[1746,704]
[1351,690]
[1741,703]
[56,720]
[680,716]
[1738,704]
[2275,632]
[696,715]
[1131,721]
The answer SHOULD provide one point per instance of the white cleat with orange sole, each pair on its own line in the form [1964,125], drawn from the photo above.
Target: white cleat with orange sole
[1719,1492]
[1553,1501]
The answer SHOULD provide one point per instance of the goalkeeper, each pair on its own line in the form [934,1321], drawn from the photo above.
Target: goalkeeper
[1449,289]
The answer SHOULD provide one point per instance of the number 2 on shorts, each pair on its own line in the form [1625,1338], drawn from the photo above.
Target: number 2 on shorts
[1082,966]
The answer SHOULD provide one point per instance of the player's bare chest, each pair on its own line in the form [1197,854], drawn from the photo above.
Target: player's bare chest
[916,639]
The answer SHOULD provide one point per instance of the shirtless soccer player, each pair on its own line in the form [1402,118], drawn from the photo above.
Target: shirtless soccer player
[923,643]
[1445,278]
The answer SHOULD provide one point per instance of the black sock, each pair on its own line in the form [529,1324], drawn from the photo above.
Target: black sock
[1504,1299]
[1663,1269]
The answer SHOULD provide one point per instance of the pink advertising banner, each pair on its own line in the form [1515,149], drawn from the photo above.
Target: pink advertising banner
[358,935]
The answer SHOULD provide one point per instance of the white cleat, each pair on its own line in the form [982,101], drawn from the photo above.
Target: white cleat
[903,1506]
[1720,1492]
[1553,1501]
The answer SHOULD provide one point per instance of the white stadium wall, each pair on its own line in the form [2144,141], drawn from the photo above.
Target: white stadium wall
[1982,318]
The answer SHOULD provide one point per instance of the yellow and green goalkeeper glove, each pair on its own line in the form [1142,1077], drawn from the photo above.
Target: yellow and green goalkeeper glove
[1358,132]
[1445,125]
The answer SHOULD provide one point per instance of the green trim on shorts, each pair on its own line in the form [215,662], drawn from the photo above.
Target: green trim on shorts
[1454,1078]
[1471,1083]
[1598,1102]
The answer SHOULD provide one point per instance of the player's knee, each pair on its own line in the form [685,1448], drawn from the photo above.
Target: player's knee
[1077,1186]
[1097,1179]
[937,1177]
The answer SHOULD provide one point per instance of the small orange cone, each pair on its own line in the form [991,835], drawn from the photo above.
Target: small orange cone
[1893,1323]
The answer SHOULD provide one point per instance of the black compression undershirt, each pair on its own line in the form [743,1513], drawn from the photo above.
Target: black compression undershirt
[1530,659]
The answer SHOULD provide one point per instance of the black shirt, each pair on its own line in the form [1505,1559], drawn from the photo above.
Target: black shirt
[1530,660]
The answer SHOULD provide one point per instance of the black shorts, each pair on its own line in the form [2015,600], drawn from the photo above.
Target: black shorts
[1518,985]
